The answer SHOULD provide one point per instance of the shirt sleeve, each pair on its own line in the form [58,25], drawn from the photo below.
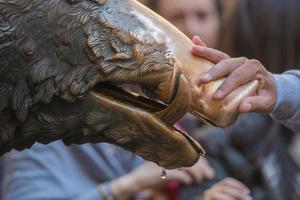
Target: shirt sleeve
[49,172]
[287,108]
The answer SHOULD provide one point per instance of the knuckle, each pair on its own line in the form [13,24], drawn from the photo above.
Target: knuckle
[242,59]
[256,64]
[224,62]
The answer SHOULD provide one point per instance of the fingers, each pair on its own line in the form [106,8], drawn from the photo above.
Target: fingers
[201,170]
[222,69]
[234,188]
[240,75]
[220,196]
[181,176]
[234,183]
[235,193]
[185,178]
[228,189]
[266,96]
[197,173]
[209,53]
[197,40]
[259,103]
[239,70]
[207,170]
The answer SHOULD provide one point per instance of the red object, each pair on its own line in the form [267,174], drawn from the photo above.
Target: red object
[172,190]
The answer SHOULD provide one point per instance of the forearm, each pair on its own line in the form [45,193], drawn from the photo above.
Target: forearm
[144,177]
[125,187]
[287,108]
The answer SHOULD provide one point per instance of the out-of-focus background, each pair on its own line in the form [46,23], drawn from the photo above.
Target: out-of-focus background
[256,158]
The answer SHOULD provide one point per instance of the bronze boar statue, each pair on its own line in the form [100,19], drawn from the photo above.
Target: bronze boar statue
[63,67]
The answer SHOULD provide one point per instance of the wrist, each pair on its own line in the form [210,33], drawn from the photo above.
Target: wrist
[125,187]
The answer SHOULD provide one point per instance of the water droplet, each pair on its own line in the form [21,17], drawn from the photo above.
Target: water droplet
[163,173]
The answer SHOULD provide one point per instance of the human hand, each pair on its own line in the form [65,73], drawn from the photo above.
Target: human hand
[150,194]
[228,189]
[148,176]
[238,71]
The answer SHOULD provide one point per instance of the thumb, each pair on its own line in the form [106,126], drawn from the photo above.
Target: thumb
[254,104]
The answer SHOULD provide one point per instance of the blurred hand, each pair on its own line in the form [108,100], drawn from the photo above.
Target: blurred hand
[151,194]
[238,71]
[148,176]
[228,189]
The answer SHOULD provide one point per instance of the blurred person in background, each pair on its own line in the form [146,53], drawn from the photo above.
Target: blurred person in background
[256,150]
[86,172]
[192,17]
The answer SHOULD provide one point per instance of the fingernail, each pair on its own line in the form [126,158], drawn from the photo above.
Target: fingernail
[206,77]
[196,38]
[219,94]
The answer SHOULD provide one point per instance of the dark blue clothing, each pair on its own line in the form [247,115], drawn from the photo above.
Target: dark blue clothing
[55,171]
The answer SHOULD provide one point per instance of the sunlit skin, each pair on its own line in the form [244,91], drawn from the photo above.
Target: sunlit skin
[193,17]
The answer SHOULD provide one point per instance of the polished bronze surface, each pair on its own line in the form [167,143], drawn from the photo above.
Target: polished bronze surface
[63,63]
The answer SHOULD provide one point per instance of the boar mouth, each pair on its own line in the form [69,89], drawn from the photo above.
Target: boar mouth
[166,114]
[139,101]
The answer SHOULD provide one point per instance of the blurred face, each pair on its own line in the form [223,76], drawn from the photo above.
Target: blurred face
[193,17]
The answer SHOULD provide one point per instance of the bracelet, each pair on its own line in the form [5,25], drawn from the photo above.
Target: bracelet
[106,193]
